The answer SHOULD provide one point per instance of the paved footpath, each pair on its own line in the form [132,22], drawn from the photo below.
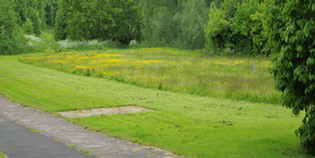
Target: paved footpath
[53,127]
[19,142]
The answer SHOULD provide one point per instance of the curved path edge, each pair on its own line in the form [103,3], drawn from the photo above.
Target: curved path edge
[98,144]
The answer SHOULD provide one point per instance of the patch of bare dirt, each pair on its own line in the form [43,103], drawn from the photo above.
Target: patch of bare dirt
[104,111]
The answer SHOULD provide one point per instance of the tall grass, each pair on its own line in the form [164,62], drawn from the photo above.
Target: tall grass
[45,42]
[34,44]
[172,70]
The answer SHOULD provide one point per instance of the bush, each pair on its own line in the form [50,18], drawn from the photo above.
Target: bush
[242,24]
[290,26]
[159,25]
[11,39]
[28,27]
[174,23]
[217,30]
[61,20]
[113,20]
[34,17]
[192,20]
[236,25]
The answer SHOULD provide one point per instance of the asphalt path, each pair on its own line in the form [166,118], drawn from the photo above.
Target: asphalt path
[17,141]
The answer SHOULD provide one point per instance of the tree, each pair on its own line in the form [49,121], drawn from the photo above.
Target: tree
[159,22]
[177,23]
[217,30]
[51,8]
[28,27]
[127,21]
[61,19]
[238,26]
[192,19]
[29,9]
[290,27]
[41,5]
[20,7]
[33,15]
[10,35]
[99,19]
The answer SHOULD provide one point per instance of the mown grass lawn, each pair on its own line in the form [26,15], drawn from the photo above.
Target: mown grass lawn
[187,125]
[2,155]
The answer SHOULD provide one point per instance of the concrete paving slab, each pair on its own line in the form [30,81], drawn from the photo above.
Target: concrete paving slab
[105,111]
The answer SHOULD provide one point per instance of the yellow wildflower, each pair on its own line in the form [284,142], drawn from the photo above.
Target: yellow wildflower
[50,51]
[150,61]
[81,67]
[108,55]
[58,61]
[114,60]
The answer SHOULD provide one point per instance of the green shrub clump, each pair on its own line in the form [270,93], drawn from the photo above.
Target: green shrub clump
[236,27]
[114,20]
[28,27]
[290,27]
[174,23]
[10,34]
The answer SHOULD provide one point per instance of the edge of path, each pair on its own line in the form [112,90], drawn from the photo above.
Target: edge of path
[20,142]
[54,127]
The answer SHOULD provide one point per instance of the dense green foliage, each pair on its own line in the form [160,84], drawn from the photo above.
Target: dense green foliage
[10,35]
[21,20]
[51,8]
[61,17]
[29,9]
[28,26]
[191,22]
[103,20]
[291,37]
[41,12]
[236,27]
[168,22]
[33,15]
[174,22]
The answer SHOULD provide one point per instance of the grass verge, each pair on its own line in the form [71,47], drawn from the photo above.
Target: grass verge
[2,155]
[187,125]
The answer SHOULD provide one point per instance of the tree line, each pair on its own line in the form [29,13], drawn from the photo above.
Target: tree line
[163,22]
[177,23]
[222,26]
[18,17]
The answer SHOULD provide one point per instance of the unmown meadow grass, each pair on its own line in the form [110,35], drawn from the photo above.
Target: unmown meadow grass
[172,70]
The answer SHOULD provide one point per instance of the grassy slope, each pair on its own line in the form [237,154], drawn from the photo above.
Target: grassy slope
[188,125]
[2,155]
